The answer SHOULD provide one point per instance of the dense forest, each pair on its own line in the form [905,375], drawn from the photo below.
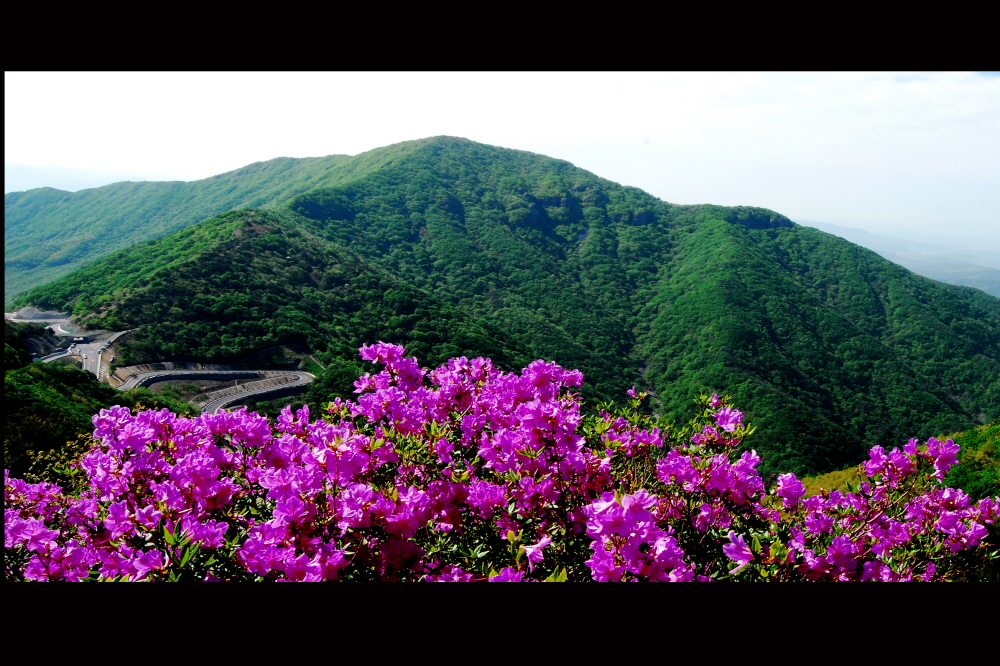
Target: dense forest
[978,468]
[252,279]
[15,336]
[452,247]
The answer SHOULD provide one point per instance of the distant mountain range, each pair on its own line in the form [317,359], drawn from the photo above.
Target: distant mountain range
[21,178]
[951,263]
[453,247]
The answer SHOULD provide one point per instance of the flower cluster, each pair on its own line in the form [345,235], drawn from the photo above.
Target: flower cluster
[466,473]
[887,530]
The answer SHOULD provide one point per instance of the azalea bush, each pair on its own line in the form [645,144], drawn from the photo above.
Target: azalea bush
[468,473]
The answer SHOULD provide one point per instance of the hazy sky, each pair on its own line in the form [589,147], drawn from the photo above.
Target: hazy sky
[887,152]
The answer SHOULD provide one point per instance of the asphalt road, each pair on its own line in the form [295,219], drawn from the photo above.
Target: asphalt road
[91,354]
[302,379]
[147,378]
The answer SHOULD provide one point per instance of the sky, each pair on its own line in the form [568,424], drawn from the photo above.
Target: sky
[908,154]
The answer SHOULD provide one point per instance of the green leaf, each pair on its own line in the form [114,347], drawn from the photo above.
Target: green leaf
[188,553]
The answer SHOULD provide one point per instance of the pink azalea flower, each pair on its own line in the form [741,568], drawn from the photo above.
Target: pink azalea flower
[790,489]
[534,551]
[508,575]
[728,418]
[737,550]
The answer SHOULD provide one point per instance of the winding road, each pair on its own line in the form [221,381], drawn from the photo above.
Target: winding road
[295,380]
[302,379]
[92,354]
[147,378]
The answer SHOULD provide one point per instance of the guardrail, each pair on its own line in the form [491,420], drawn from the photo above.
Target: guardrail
[52,357]
[276,391]
[248,387]
[101,365]
[147,378]
[276,383]
[266,387]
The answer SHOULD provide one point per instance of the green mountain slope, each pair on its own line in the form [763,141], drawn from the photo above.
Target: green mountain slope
[48,405]
[49,233]
[828,347]
[252,279]
[835,370]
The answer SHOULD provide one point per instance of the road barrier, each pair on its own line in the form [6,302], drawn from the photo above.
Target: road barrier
[246,388]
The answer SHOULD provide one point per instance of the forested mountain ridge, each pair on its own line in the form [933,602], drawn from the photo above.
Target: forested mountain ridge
[791,320]
[49,233]
[829,347]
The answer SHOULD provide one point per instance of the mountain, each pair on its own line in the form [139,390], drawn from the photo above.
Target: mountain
[446,245]
[49,233]
[47,405]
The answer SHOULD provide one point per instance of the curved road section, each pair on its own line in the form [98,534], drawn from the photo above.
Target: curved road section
[293,380]
[147,378]
[92,354]
[301,380]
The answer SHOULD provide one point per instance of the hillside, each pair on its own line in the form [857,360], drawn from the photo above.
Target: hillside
[827,344]
[252,279]
[49,233]
[828,347]
[47,405]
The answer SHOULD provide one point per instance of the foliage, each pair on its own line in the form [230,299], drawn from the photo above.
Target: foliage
[842,480]
[59,466]
[977,472]
[469,473]
[249,280]
[15,335]
[49,233]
